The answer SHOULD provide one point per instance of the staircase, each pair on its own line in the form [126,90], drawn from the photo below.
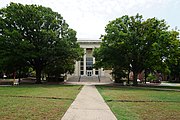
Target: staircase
[94,79]
[89,79]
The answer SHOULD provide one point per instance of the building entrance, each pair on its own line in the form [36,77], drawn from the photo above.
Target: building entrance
[85,67]
[89,72]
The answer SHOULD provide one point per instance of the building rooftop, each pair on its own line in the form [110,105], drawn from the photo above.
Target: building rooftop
[86,40]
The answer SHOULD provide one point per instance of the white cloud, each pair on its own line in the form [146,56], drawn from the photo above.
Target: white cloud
[89,17]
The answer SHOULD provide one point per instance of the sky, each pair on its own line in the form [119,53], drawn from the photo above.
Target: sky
[89,17]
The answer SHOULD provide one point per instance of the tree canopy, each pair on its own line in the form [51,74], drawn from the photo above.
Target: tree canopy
[132,43]
[36,36]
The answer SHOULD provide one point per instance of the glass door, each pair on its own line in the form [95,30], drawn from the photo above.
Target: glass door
[89,72]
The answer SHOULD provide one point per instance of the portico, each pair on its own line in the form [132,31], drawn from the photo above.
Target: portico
[84,67]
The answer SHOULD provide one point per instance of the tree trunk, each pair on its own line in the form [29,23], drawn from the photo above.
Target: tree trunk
[128,75]
[14,76]
[38,75]
[135,78]
[145,75]
[19,79]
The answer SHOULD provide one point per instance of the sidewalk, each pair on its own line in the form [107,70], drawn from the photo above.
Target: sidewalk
[89,105]
[169,84]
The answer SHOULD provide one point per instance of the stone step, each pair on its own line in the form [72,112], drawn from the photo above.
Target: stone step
[103,79]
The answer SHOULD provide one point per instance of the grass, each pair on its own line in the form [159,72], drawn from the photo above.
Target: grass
[36,102]
[132,103]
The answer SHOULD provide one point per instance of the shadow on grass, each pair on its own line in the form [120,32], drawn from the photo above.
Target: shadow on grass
[153,88]
[43,86]
[140,101]
[57,98]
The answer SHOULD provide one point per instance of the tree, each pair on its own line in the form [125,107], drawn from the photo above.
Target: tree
[131,43]
[65,64]
[38,36]
[11,57]
[173,56]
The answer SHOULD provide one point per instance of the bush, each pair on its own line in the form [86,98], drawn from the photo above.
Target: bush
[55,79]
[151,77]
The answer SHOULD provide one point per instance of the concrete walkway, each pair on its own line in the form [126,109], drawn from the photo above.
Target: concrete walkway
[89,105]
[169,84]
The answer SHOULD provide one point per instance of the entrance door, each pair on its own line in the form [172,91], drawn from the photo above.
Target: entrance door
[89,72]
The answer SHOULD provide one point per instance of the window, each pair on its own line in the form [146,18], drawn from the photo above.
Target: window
[89,63]
[89,59]
[82,72]
[89,68]
[96,72]
[82,68]
[82,63]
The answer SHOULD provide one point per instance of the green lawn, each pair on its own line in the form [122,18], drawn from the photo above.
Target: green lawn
[165,87]
[36,102]
[131,103]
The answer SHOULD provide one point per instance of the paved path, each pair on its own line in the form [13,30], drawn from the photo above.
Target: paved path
[89,105]
[169,84]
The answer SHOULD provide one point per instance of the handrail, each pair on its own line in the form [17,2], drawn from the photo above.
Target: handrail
[79,78]
[99,78]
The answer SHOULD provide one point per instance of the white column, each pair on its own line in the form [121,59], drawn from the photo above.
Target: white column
[79,69]
[84,61]
[76,71]
[93,63]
